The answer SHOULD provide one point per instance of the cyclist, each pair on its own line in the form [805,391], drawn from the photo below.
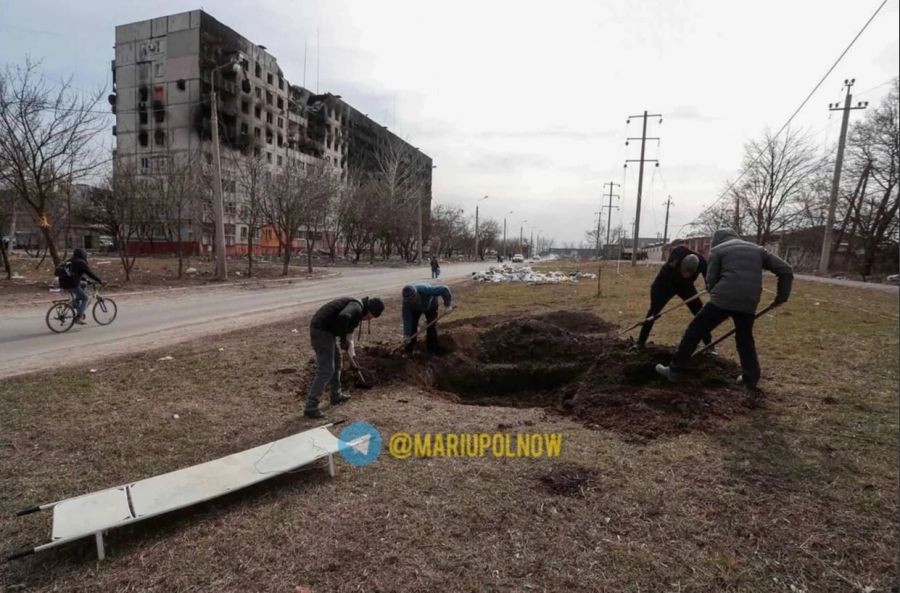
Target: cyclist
[70,278]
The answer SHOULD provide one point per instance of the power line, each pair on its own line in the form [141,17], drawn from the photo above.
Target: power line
[793,115]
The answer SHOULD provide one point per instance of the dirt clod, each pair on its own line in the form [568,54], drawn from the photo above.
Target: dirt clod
[568,481]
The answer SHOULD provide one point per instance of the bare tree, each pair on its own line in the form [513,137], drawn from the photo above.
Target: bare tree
[297,198]
[252,174]
[6,214]
[173,199]
[121,209]
[776,173]
[719,215]
[874,146]
[401,183]
[46,138]
[318,189]
[488,232]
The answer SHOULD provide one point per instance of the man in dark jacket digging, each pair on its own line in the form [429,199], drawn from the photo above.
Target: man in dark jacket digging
[675,277]
[734,279]
[421,299]
[334,322]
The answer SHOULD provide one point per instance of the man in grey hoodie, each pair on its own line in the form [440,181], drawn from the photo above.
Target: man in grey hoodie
[734,281]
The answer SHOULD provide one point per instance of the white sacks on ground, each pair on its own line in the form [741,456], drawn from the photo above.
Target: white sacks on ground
[508,273]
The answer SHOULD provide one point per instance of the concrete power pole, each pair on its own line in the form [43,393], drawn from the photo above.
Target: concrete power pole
[642,160]
[218,206]
[610,207]
[825,259]
[668,203]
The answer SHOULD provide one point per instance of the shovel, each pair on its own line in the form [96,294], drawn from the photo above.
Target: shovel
[366,380]
[661,313]
[732,330]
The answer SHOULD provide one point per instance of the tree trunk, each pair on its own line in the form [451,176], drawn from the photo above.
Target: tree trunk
[5,257]
[250,252]
[286,254]
[48,238]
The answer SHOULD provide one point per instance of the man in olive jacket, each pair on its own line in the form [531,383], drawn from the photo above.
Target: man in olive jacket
[734,280]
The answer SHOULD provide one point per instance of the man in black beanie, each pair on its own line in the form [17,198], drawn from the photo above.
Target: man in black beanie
[334,323]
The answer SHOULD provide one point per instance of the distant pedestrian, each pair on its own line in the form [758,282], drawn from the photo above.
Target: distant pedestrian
[334,323]
[734,279]
[435,267]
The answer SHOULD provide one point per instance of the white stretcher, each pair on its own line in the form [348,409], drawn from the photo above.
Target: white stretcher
[93,513]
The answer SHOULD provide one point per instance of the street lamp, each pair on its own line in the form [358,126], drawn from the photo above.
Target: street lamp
[531,243]
[476,224]
[218,206]
[505,246]
[521,228]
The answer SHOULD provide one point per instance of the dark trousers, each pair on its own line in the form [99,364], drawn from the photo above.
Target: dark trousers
[704,322]
[431,336]
[660,295]
[328,367]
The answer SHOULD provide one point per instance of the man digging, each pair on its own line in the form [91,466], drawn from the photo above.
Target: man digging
[734,280]
[334,322]
[419,299]
[675,277]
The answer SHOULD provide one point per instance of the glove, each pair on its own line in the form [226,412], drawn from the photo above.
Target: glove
[448,309]
[351,350]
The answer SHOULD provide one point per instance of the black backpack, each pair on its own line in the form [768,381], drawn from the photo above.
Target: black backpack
[63,271]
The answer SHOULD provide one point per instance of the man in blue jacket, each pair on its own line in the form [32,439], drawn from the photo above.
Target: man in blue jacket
[734,280]
[423,298]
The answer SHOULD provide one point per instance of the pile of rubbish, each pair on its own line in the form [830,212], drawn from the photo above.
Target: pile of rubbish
[508,273]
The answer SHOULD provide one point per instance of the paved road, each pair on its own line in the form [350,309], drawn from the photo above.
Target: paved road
[889,288]
[150,321]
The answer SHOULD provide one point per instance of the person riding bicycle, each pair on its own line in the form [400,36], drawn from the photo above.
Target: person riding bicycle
[74,270]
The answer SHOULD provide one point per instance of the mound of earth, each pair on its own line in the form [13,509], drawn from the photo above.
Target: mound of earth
[565,361]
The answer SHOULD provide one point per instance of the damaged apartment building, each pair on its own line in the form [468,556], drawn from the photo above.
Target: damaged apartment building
[162,73]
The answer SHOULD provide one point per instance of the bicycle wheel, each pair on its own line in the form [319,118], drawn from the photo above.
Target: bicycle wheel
[105,310]
[60,317]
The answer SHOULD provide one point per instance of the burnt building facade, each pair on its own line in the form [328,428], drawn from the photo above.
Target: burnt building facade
[163,73]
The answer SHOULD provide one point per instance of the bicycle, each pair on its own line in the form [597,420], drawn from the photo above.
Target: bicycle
[62,314]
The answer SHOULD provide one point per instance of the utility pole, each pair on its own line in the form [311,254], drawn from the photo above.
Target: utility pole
[825,259]
[505,246]
[610,195]
[476,226]
[737,214]
[668,203]
[642,160]
[218,206]
[521,228]
[599,222]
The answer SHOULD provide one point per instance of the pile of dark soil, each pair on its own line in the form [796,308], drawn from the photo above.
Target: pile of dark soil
[621,391]
[564,360]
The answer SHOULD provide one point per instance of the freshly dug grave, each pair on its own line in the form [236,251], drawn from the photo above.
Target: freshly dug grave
[564,360]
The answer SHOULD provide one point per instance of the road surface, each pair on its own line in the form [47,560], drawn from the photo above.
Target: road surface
[154,320]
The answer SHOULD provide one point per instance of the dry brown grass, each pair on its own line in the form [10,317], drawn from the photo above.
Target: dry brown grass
[799,493]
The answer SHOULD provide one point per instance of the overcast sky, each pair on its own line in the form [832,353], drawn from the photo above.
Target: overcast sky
[527,101]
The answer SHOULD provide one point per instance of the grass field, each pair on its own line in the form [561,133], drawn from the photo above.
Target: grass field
[798,494]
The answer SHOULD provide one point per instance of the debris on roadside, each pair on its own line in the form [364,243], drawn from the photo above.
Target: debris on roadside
[525,274]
